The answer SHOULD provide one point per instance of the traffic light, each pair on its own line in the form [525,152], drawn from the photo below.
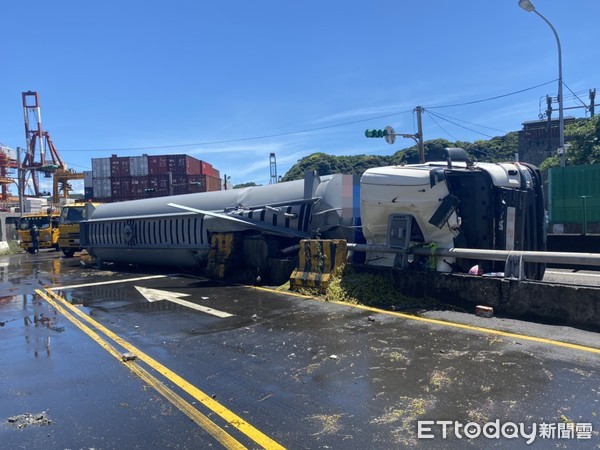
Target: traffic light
[375,133]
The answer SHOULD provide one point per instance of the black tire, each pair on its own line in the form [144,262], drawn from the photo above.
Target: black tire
[68,252]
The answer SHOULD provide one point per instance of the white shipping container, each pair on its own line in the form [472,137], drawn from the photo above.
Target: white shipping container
[101,167]
[102,187]
[35,205]
[138,166]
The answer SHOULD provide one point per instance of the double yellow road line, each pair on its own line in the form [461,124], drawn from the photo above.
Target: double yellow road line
[79,319]
[448,324]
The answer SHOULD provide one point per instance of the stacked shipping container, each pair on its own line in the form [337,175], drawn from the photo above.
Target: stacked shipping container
[129,178]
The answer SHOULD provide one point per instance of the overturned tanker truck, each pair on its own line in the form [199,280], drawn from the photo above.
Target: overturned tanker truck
[388,210]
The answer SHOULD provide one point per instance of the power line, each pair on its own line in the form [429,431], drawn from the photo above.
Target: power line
[471,123]
[575,95]
[307,130]
[228,141]
[462,126]
[492,98]
[443,129]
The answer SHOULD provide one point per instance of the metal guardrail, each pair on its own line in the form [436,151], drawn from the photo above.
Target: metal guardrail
[514,258]
[584,259]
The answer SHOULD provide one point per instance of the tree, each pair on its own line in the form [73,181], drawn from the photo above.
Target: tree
[500,148]
[326,164]
[584,137]
[243,185]
[584,140]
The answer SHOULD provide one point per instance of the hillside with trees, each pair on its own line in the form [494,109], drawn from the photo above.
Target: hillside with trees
[583,138]
[500,148]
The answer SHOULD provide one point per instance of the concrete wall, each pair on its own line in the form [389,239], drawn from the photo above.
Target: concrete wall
[552,303]
[8,230]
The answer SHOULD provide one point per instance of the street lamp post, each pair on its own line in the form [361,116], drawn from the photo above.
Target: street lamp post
[529,7]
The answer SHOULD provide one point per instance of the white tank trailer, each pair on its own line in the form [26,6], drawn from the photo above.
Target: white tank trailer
[177,230]
[445,204]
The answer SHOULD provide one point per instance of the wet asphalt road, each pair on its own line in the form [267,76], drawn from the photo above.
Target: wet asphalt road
[279,371]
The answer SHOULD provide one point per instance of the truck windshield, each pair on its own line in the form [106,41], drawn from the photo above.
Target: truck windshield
[26,223]
[72,214]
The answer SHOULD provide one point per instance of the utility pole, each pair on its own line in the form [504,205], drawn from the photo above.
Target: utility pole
[592,101]
[420,110]
[390,135]
[549,122]
[273,165]
[20,177]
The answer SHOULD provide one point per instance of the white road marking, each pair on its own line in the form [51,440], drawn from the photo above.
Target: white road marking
[100,283]
[154,295]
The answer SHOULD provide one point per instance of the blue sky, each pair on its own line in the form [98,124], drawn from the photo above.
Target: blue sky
[212,79]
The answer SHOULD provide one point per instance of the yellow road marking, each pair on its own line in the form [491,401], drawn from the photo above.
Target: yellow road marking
[214,430]
[229,416]
[445,323]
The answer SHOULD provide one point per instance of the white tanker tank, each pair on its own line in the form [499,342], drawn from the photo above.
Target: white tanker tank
[176,230]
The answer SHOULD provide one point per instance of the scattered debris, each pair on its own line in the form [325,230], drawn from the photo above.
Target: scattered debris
[204,298]
[371,319]
[330,424]
[4,322]
[265,397]
[484,311]
[475,270]
[22,420]
[334,357]
[254,317]
[565,419]
[128,356]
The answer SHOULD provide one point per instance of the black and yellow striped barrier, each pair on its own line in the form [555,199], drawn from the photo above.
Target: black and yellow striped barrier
[223,254]
[318,259]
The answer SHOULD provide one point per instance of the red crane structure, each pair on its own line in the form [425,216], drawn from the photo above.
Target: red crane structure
[7,165]
[41,155]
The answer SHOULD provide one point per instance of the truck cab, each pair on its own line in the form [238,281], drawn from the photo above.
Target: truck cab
[70,217]
[46,222]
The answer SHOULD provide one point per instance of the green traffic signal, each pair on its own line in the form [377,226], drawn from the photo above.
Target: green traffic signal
[375,133]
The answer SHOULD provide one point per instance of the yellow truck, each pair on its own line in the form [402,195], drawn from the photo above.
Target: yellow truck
[47,224]
[70,217]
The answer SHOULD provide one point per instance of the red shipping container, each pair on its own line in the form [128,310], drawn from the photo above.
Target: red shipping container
[176,164]
[213,184]
[156,181]
[158,164]
[194,166]
[205,168]
[152,165]
[124,167]
[212,172]
[114,168]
